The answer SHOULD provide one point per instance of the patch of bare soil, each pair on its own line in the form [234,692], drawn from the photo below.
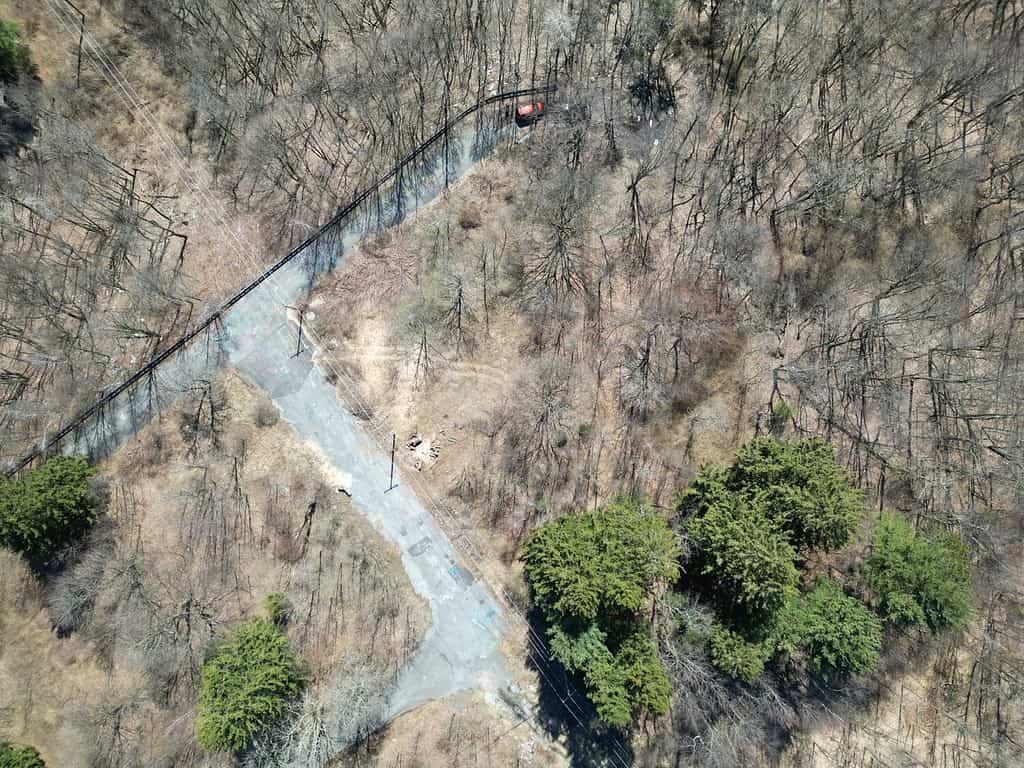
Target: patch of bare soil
[463,731]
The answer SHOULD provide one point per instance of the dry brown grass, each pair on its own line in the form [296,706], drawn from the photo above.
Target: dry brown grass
[267,479]
[223,243]
[464,731]
[65,175]
[41,677]
[448,416]
[208,532]
[455,422]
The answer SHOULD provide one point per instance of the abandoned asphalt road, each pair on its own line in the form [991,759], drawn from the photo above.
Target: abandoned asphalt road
[461,648]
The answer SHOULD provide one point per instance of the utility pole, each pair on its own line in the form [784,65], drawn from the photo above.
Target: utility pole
[298,341]
[394,444]
[81,38]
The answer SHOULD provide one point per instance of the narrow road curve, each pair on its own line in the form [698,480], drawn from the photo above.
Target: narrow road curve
[461,648]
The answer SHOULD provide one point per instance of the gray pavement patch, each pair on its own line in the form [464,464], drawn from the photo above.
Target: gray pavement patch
[420,547]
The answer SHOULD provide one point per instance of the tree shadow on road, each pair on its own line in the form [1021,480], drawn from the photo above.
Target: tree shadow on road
[563,709]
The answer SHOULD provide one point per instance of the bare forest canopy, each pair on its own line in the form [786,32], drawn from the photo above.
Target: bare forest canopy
[836,181]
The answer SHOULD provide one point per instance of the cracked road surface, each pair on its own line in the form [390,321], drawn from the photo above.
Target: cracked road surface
[461,647]
[460,650]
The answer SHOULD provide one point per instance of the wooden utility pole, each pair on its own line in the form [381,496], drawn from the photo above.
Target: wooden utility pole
[394,445]
[81,38]
[298,340]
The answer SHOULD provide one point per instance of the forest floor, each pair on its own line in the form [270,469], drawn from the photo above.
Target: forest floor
[143,126]
[465,731]
[446,405]
[443,404]
[509,408]
[43,678]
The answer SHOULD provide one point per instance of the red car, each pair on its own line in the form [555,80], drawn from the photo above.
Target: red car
[528,114]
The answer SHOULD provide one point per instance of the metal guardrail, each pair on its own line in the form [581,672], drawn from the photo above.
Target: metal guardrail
[203,325]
